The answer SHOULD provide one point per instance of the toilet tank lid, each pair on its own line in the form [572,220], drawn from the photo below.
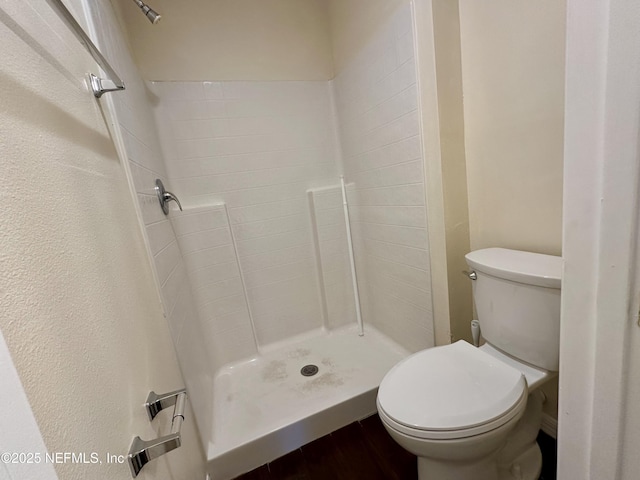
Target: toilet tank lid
[518,266]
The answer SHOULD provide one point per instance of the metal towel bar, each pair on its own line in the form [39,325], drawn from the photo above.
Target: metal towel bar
[98,85]
[143,451]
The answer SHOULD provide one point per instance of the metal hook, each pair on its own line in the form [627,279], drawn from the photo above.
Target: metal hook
[164,197]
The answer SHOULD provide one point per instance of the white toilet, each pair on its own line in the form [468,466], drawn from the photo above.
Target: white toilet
[474,413]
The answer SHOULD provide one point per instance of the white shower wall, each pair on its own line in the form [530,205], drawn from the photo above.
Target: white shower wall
[332,256]
[381,142]
[207,246]
[134,124]
[256,147]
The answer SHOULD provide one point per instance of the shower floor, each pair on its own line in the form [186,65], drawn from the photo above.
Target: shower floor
[264,407]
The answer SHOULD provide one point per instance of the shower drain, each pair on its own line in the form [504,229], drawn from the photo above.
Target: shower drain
[309,370]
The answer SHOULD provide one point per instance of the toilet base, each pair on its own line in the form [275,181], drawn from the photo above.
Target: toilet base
[518,459]
[485,469]
[527,466]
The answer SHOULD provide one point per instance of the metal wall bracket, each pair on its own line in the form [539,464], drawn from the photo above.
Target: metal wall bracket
[98,85]
[141,451]
[156,403]
[101,86]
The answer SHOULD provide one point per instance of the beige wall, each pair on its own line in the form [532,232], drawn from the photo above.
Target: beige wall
[78,306]
[513,82]
[231,39]
[513,86]
[353,23]
[251,39]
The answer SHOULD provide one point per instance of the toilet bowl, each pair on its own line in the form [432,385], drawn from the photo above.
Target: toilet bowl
[473,413]
[454,407]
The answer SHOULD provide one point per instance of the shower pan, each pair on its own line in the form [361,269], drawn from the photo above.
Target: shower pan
[266,407]
[275,397]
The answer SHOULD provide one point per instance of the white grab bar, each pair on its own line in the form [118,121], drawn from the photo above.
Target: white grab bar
[354,278]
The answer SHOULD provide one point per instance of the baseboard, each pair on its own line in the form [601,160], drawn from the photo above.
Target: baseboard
[549,425]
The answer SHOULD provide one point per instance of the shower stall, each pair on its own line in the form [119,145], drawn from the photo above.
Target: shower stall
[254,273]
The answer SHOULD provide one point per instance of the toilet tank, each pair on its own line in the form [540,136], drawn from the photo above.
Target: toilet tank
[517,299]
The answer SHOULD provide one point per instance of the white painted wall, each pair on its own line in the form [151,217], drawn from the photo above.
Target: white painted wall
[231,40]
[80,313]
[20,432]
[600,342]
[381,149]
[513,86]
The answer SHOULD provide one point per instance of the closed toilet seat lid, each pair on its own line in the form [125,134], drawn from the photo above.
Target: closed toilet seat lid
[452,388]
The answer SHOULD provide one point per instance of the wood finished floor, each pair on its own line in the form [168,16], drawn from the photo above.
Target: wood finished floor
[362,450]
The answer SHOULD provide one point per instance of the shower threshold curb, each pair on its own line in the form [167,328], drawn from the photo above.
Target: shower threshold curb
[288,438]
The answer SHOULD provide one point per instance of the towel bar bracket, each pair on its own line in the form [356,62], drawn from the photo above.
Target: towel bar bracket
[141,451]
[101,86]
[98,85]
[156,403]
